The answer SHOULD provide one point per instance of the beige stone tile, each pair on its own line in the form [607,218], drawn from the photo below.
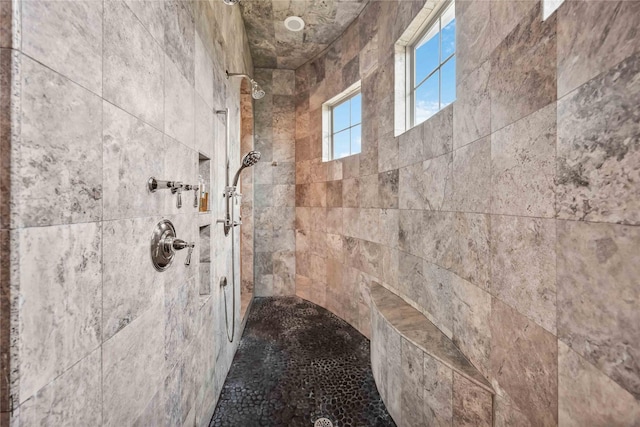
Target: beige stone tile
[523,77]
[472,405]
[472,109]
[79,24]
[437,295]
[523,263]
[523,166]
[473,36]
[598,150]
[179,105]
[437,133]
[61,300]
[612,37]
[505,16]
[412,385]
[524,367]
[598,297]
[179,37]
[471,253]
[151,14]
[472,177]
[411,192]
[411,147]
[588,397]
[60,148]
[438,390]
[133,65]
[410,235]
[388,189]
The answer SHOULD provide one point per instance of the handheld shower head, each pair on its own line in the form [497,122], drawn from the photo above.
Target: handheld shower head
[256,90]
[249,159]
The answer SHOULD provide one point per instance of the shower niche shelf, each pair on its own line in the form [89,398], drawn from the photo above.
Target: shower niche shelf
[204,172]
[204,237]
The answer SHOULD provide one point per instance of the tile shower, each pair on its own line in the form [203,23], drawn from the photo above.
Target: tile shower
[509,219]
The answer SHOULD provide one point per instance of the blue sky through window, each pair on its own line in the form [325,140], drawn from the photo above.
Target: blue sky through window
[346,119]
[434,84]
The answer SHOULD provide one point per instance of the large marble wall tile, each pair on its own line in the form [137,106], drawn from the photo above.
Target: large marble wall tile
[437,133]
[394,373]
[79,24]
[179,37]
[61,300]
[387,152]
[412,385]
[472,177]
[133,367]
[438,237]
[438,388]
[612,37]
[6,24]
[598,297]
[60,149]
[203,72]
[472,405]
[473,36]
[523,166]
[151,14]
[505,15]
[130,282]
[388,189]
[411,147]
[472,109]
[438,182]
[411,187]
[179,106]
[74,398]
[130,155]
[471,308]
[133,65]
[410,238]
[205,133]
[471,256]
[588,397]
[369,195]
[9,82]
[598,148]
[523,70]
[523,264]
[524,364]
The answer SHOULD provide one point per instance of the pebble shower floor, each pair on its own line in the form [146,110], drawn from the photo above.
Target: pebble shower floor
[298,362]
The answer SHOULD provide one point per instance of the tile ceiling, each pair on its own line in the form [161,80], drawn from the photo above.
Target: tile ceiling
[273,46]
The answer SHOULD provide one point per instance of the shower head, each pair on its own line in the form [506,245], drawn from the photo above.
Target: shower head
[249,159]
[256,91]
[231,2]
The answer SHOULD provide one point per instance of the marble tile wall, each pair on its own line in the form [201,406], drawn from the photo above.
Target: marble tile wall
[509,219]
[95,98]
[274,184]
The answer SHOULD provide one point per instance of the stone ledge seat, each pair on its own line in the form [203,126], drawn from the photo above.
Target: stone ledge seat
[423,378]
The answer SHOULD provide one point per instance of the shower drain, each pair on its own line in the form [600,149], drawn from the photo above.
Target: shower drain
[323,422]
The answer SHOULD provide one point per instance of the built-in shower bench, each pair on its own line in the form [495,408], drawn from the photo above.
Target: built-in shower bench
[422,377]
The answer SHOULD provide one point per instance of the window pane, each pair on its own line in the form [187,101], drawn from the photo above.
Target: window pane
[356,139]
[340,117]
[427,99]
[341,144]
[448,82]
[427,55]
[356,109]
[448,32]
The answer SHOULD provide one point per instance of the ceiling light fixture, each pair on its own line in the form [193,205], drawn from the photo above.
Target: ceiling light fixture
[294,23]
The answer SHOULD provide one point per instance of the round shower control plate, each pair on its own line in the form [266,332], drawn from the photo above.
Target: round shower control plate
[160,256]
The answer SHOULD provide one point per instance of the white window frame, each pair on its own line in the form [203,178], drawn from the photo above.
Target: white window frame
[327,120]
[410,52]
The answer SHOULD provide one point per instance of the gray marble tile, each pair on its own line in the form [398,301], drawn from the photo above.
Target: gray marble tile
[410,147]
[598,297]
[203,72]
[79,24]
[588,397]
[412,385]
[437,180]
[473,36]
[438,390]
[517,346]
[523,266]
[73,398]
[6,24]
[369,196]
[437,133]
[523,70]
[472,109]
[523,166]
[471,259]
[179,37]
[394,373]
[60,149]
[437,295]
[388,189]
[612,37]
[133,367]
[411,191]
[472,406]
[205,131]
[130,154]
[505,15]
[133,65]
[598,149]
[61,296]
[334,194]
[471,308]
[438,237]
[9,65]
[410,238]
[151,14]
[131,283]
[179,106]
[472,177]
[387,152]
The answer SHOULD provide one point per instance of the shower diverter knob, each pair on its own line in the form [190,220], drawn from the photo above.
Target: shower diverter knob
[164,245]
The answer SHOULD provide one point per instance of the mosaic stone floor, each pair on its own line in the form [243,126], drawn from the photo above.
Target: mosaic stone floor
[298,362]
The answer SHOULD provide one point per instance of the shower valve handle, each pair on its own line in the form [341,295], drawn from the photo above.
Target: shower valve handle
[172,244]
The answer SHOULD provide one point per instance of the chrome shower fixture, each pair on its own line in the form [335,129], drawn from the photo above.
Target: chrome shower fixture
[256,91]
[249,159]
[231,2]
